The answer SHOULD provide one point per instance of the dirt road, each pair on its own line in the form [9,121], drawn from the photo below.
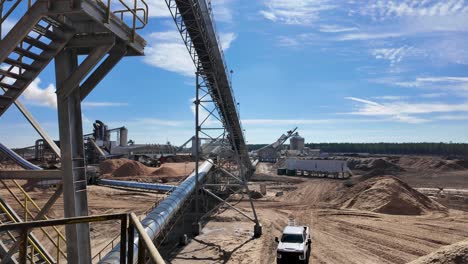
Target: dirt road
[338,235]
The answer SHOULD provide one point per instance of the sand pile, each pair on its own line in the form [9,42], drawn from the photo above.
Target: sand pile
[376,164]
[432,163]
[165,171]
[452,254]
[388,195]
[132,168]
[314,193]
[110,165]
[124,168]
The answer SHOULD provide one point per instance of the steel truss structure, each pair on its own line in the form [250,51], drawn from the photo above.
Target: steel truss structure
[62,30]
[218,137]
[196,26]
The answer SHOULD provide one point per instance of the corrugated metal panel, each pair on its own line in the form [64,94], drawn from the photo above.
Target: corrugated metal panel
[317,165]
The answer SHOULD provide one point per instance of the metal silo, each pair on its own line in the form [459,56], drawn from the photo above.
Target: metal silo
[296,143]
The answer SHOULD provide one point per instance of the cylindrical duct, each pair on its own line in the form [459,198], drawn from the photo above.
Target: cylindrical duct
[158,219]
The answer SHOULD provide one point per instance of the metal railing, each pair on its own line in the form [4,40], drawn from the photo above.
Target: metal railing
[113,242]
[132,11]
[137,10]
[27,200]
[34,249]
[129,224]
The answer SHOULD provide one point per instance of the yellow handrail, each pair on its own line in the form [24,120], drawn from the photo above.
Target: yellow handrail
[28,212]
[31,242]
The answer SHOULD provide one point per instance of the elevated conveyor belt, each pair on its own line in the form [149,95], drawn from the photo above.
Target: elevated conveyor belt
[194,21]
[18,159]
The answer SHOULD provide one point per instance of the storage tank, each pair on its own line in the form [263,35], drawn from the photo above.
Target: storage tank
[123,136]
[296,143]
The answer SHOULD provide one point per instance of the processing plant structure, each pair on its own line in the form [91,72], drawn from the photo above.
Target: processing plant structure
[104,34]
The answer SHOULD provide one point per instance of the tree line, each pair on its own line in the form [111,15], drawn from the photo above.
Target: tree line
[423,148]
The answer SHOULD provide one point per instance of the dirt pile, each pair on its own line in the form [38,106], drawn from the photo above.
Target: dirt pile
[315,192]
[388,195]
[124,168]
[376,164]
[132,168]
[432,163]
[110,165]
[452,254]
[165,171]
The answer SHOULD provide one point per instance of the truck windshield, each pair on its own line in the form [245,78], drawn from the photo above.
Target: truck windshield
[292,238]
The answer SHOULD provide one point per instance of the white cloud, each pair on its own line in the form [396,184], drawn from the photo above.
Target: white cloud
[393,55]
[226,39]
[386,9]
[167,51]
[433,95]
[295,12]
[336,29]
[36,95]
[369,36]
[221,10]
[442,82]
[452,117]
[403,111]
[158,8]
[269,15]
[391,97]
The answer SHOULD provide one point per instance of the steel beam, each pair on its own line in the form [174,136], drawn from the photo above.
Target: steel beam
[115,55]
[37,127]
[31,174]
[230,205]
[73,163]
[73,81]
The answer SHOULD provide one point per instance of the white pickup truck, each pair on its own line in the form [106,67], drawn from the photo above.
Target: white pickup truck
[294,245]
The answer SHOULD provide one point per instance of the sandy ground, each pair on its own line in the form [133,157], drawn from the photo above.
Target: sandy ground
[101,200]
[338,235]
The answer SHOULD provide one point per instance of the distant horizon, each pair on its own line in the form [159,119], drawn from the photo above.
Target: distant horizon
[342,71]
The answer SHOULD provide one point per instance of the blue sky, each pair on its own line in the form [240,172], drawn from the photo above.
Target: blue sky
[340,70]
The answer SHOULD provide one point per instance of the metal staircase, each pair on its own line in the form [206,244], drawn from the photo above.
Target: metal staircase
[28,48]
[35,252]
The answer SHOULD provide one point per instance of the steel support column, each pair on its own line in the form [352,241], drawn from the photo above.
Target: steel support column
[73,162]
[197,142]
